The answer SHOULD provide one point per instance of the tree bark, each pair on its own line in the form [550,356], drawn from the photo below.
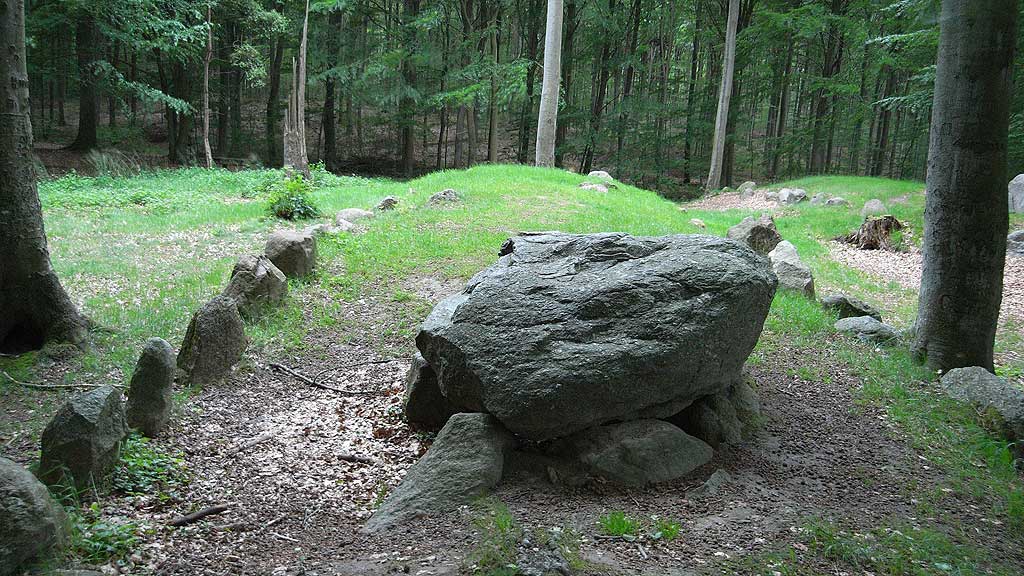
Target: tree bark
[274,153]
[85,52]
[34,309]
[547,119]
[207,151]
[724,95]
[966,211]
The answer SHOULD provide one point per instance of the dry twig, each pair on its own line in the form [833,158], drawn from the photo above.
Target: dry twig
[306,379]
[197,516]
[35,386]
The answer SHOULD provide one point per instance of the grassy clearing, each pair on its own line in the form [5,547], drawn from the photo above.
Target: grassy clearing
[141,254]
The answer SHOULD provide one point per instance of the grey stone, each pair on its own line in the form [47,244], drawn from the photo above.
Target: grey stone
[818,199]
[294,253]
[444,196]
[1016,194]
[873,207]
[1000,403]
[213,344]
[32,525]
[746,187]
[149,399]
[81,443]
[791,271]
[425,407]
[1015,243]
[542,561]
[760,234]
[837,201]
[712,486]
[723,418]
[352,215]
[848,306]
[569,331]
[792,195]
[867,329]
[594,187]
[466,460]
[255,285]
[387,203]
[600,174]
[635,453]
[771,196]
[324,228]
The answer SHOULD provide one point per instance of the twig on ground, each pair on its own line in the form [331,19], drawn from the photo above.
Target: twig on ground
[283,537]
[275,521]
[36,386]
[643,553]
[355,458]
[198,515]
[306,379]
[250,443]
[354,365]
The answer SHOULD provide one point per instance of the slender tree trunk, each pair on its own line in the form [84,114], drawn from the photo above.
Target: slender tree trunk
[547,119]
[532,48]
[85,52]
[691,90]
[294,143]
[407,106]
[35,308]
[207,152]
[275,156]
[724,95]
[568,53]
[966,211]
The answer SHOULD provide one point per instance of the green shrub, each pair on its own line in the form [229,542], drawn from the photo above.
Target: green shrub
[112,163]
[144,469]
[98,541]
[616,523]
[498,535]
[291,198]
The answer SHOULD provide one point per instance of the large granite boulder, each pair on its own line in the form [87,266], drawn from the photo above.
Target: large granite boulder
[82,442]
[425,407]
[1016,194]
[566,331]
[867,329]
[294,253]
[214,342]
[256,284]
[32,525]
[850,307]
[149,399]
[791,271]
[1000,403]
[760,234]
[466,460]
[635,453]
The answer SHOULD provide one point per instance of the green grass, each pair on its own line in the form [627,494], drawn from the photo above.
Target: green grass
[498,534]
[617,523]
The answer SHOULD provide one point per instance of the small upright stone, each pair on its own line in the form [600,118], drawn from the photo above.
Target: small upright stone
[1015,243]
[867,329]
[771,196]
[600,175]
[149,398]
[444,196]
[1016,194]
[850,307]
[255,284]
[760,234]
[873,207]
[746,188]
[32,525]
[818,199]
[837,201]
[214,342]
[793,274]
[294,253]
[388,203]
[82,441]
[594,187]
[792,195]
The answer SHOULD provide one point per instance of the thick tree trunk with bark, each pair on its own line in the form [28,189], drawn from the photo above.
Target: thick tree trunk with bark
[547,119]
[34,309]
[274,153]
[724,96]
[966,212]
[85,51]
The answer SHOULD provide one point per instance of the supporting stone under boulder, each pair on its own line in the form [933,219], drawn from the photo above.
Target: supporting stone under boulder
[82,442]
[425,407]
[149,398]
[213,344]
[724,418]
[32,525]
[566,331]
[466,460]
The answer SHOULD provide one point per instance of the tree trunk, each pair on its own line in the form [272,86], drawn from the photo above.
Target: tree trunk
[724,95]
[85,52]
[966,211]
[568,52]
[274,153]
[35,307]
[407,106]
[691,90]
[207,151]
[547,119]
[295,155]
[532,47]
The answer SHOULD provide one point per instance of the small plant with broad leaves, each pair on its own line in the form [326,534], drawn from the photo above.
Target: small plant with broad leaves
[290,198]
[665,529]
[616,523]
[144,469]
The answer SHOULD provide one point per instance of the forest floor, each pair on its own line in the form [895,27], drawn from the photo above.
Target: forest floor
[860,465]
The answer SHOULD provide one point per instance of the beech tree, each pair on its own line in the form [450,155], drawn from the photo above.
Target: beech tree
[724,95]
[966,212]
[547,118]
[34,308]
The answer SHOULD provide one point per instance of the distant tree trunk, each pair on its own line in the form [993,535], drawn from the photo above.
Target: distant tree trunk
[547,119]
[966,211]
[532,47]
[885,117]
[691,90]
[207,151]
[329,119]
[724,96]
[179,151]
[599,93]
[113,56]
[295,122]
[274,153]
[568,52]
[85,52]
[492,101]
[224,86]
[407,106]
[35,308]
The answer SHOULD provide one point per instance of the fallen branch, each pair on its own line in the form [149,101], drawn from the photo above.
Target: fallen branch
[355,458]
[35,386]
[250,443]
[354,365]
[306,379]
[197,516]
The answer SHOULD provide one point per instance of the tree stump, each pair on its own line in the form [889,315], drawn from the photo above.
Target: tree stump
[875,234]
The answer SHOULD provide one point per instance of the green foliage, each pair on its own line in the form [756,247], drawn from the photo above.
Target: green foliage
[144,469]
[616,523]
[112,164]
[665,529]
[291,198]
[498,535]
[97,540]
